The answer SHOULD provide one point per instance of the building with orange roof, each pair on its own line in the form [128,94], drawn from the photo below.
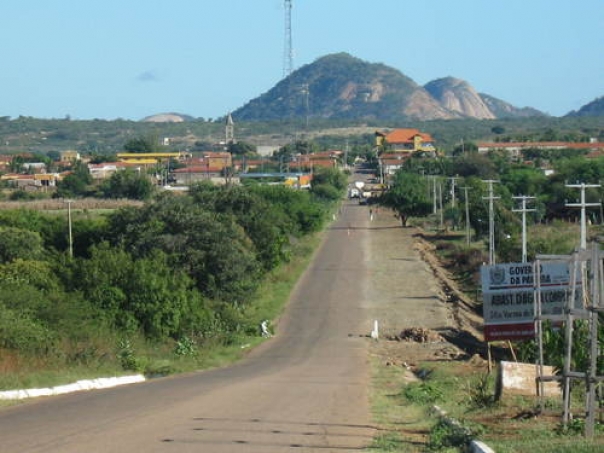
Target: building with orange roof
[407,140]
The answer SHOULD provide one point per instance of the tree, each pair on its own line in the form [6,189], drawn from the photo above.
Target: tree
[148,144]
[128,184]
[407,196]
[210,247]
[241,148]
[76,183]
[18,243]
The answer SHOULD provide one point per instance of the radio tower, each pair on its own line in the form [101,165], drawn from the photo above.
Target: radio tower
[288,51]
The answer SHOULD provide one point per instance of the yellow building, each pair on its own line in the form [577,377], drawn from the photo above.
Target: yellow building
[148,158]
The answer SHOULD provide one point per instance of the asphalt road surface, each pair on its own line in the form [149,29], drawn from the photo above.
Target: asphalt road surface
[303,390]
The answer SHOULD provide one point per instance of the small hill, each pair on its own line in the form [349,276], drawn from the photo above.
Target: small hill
[167,118]
[594,108]
[342,86]
[458,96]
[502,109]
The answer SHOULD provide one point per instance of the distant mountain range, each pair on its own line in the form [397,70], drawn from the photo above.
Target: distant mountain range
[340,86]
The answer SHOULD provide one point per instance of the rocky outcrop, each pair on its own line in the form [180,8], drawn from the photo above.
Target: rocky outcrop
[458,96]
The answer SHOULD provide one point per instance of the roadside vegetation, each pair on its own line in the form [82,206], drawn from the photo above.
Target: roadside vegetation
[180,282]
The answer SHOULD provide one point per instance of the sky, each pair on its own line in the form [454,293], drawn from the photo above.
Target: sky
[129,59]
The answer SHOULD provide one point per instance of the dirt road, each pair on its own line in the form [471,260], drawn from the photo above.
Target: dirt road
[304,390]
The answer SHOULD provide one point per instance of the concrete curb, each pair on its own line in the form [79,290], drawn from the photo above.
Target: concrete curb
[475,445]
[79,386]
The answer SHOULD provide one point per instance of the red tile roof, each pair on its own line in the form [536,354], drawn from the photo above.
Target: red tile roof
[406,136]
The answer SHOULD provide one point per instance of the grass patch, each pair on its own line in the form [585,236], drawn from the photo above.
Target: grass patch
[404,426]
[466,394]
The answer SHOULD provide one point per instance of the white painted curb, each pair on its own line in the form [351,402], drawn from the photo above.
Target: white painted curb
[79,386]
[476,446]
[480,447]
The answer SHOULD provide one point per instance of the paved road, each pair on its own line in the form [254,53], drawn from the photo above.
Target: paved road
[304,390]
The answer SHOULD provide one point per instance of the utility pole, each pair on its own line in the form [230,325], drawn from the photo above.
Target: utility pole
[440,204]
[69,227]
[523,210]
[306,93]
[434,205]
[346,155]
[453,179]
[582,205]
[491,198]
[465,190]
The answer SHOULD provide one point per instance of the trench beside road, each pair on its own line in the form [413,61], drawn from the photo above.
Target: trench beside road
[306,389]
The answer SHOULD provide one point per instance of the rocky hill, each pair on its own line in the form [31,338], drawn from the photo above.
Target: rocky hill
[594,108]
[502,109]
[340,86]
[458,96]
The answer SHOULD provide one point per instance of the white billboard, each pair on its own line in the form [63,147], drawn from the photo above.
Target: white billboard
[509,290]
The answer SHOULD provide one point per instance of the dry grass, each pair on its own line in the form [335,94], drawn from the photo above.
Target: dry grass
[55,204]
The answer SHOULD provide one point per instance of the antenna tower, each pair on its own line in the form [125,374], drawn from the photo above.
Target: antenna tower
[288,50]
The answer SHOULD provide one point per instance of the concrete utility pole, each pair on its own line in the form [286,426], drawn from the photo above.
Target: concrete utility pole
[491,198]
[523,210]
[453,179]
[434,204]
[465,190]
[69,227]
[582,205]
[346,157]
[440,204]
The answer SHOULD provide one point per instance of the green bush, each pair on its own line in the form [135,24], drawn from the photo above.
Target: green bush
[423,393]
[19,331]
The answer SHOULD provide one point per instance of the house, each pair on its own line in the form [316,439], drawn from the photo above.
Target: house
[107,169]
[391,162]
[32,182]
[322,159]
[405,141]
[69,156]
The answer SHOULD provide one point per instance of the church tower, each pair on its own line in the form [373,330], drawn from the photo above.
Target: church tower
[229,130]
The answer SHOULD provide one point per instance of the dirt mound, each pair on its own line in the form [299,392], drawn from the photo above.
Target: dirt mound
[420,335]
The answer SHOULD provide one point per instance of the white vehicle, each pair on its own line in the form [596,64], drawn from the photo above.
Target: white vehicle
[354,193]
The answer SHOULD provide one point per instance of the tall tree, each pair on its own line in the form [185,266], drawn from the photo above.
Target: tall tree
[407,196]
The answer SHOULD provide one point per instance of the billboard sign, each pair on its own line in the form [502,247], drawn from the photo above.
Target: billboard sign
[509,294]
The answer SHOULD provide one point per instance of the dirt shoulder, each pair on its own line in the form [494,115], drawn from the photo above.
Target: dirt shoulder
[421,313]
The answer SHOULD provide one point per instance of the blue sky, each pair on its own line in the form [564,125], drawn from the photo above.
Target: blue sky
[133,58]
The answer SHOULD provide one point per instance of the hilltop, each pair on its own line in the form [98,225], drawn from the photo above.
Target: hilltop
[593,108]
